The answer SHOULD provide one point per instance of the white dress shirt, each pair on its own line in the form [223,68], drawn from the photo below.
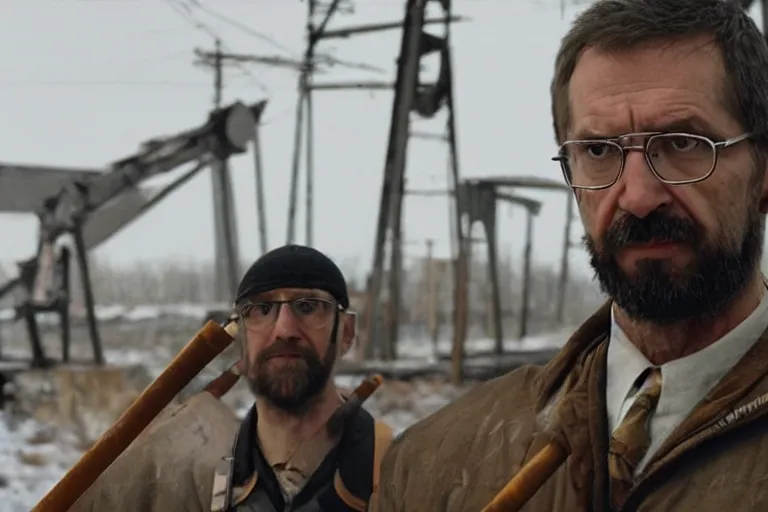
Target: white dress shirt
[685,381]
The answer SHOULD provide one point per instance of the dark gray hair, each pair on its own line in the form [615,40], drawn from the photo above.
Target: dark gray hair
[622,24]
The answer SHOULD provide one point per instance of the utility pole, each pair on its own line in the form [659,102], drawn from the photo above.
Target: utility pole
[226,251]
[308,65]
[227,254]
[432,296]
[562,285]
[218,77]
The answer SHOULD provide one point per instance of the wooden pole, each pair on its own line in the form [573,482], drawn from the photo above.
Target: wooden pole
[528,480]
[562,288]
[526,295]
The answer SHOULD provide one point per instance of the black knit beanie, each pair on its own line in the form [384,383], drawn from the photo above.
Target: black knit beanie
[294,266]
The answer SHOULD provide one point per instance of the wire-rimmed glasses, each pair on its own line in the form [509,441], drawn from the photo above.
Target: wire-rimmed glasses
[674,158]
[310,312]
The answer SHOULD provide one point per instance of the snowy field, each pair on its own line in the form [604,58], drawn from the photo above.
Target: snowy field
[33,456]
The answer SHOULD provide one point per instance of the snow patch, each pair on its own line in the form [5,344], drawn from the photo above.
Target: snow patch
[33,457]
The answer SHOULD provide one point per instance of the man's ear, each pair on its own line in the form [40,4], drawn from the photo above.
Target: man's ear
[348,331]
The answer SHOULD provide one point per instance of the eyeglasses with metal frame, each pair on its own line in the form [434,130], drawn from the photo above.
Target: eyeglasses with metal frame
[310,312]
[675,158]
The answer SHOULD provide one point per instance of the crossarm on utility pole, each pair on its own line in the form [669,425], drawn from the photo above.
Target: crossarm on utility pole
[380,27]
[209,58]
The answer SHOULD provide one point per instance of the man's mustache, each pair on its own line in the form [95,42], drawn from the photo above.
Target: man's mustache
[655,227]
[283,347]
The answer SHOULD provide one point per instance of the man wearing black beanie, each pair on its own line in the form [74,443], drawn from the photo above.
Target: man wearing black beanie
[295,323]
[197,456]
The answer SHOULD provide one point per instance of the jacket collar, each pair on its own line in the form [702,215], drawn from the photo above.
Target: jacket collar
[577,375]
[585,339]
[248,458]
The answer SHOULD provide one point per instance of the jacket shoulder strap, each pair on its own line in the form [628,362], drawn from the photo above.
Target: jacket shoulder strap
[225,495]
[383,435]
[241,492]
[382,438]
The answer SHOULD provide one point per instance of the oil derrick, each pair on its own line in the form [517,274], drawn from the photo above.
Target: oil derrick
[426,100]
[66,214]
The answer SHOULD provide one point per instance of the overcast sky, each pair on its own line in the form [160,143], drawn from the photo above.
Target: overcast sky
[84,82]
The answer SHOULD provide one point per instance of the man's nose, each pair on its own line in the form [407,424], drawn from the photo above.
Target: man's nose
[642,193]
[286,323]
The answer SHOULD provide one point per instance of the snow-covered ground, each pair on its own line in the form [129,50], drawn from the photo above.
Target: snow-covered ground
[33,457]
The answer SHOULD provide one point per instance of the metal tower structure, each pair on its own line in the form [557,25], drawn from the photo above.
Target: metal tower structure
[425,100]
[319,15]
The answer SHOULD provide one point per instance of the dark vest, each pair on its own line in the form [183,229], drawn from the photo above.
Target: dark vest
[344,481]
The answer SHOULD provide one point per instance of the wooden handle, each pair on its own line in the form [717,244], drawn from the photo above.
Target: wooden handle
[361,393]
[221,385]
[528,480]
[209,342]
[368,386]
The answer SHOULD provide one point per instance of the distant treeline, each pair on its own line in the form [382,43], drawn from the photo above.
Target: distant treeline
[193,282]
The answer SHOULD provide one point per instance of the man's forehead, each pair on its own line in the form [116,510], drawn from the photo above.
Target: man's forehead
[659,85]
[291,293]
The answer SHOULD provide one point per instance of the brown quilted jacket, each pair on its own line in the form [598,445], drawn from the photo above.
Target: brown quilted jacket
[457,459]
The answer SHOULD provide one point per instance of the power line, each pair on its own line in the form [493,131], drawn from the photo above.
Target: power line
[185,11]
[242,27]
[281,114]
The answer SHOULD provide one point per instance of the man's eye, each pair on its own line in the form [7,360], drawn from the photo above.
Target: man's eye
[684,143]
[261,309]
[598,150]
[306,306]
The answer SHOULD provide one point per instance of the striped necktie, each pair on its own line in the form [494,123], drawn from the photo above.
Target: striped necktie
[631,438]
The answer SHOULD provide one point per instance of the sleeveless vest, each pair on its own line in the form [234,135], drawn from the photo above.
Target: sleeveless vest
[344,482]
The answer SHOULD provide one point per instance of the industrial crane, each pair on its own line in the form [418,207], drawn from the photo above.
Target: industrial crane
[44,279]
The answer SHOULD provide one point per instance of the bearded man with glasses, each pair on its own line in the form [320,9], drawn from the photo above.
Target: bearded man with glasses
[659,401]
[292,451]
[295,324]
